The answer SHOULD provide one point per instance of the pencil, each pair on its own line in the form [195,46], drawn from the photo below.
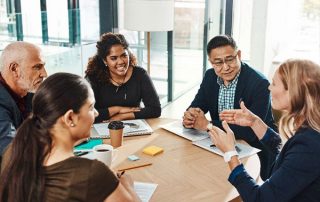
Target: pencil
[135,166]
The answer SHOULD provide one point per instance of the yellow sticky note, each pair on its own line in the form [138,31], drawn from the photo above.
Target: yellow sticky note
[152,150]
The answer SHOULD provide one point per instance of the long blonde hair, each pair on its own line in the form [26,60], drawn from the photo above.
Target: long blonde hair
[302,79]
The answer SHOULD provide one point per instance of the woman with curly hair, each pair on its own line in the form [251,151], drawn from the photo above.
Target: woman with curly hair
[120,85]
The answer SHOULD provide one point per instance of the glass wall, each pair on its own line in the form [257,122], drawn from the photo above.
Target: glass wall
[59,51]
[271,31]
[58,27]
[188,45]
[89,16]
[267,32]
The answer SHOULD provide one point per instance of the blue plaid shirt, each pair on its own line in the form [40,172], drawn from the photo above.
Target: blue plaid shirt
[226,94]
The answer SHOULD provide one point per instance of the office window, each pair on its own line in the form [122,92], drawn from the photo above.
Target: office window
[188,44]
[271,31]
[58,27]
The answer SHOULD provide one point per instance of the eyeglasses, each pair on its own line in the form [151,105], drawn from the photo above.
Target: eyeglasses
[229,60]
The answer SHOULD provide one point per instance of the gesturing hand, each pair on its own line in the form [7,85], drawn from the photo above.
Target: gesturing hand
[241,117]
[225,141]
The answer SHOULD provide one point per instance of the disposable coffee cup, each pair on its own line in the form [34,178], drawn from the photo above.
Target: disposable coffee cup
[116,133]
[104,153]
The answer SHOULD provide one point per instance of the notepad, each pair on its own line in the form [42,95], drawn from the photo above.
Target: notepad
[132,128]
[88,145]
[152,150]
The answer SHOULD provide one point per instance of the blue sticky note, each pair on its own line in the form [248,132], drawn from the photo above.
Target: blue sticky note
[133,158]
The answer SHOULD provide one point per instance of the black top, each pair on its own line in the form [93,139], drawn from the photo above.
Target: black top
[138,88]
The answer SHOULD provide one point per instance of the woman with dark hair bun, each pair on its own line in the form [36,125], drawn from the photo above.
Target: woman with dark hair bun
[119,85]
[40,165]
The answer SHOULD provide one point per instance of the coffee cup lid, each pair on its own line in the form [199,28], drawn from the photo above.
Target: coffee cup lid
[116,125]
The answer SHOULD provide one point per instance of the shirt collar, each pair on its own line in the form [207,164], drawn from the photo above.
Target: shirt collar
[234,81]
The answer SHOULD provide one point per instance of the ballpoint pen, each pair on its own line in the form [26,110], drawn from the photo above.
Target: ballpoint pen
[80,153]
[120,174]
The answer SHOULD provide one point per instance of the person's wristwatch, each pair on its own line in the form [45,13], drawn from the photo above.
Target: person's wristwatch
[227,155]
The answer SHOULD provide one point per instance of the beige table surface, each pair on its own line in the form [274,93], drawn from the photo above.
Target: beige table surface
[183,172]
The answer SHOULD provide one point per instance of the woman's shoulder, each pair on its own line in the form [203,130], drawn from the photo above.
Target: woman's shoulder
[139,70]
[79,175]
[73,162]
[308,140]
[94,169]
[139,74]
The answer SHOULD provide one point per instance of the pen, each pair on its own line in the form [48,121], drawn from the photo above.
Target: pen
[135,166]
[80,153]
[120,174]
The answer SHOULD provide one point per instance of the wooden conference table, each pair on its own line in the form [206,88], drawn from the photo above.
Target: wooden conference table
[183,172]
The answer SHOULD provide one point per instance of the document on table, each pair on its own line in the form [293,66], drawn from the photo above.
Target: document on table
[144,190]
[190,134]
[242,149]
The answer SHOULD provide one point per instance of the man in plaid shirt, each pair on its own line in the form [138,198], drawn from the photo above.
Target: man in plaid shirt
[228,82]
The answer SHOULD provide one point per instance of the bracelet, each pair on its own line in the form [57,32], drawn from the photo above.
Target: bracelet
[227,155]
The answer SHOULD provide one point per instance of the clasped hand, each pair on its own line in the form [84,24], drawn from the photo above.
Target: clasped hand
[195,118]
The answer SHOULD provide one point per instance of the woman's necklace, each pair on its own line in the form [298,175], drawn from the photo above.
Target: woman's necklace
[119,83]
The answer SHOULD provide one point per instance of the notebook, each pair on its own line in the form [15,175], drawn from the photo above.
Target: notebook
[88,145]
[132,128]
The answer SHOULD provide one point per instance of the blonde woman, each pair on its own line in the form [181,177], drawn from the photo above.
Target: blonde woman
[295,176]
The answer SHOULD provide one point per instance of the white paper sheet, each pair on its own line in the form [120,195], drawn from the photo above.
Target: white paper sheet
[145,190]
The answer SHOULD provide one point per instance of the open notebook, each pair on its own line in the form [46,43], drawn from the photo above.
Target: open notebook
[202,139]
[132,128]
